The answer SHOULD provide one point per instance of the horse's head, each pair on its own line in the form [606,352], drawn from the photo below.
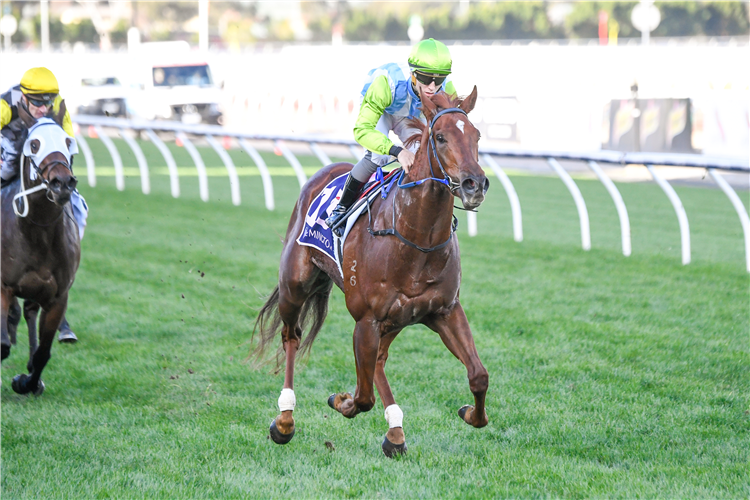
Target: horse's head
[456,145]
[49,150]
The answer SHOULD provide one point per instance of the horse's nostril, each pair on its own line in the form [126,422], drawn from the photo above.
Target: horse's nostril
[469,185]
[55,184]
[486,184]
[72,183]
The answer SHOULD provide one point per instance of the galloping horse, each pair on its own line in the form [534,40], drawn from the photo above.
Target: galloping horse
[389,282]
[40,244]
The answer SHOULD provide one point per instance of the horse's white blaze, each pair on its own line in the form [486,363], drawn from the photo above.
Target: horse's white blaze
[394,416]
[460,125]
[287,401]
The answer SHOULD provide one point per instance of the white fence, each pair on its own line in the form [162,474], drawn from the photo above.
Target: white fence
[592,159]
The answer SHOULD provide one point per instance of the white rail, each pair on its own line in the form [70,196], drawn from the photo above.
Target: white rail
[141,159]
[713,164]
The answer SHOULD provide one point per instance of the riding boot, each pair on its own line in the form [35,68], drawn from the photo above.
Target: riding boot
[66,334]
[352,188]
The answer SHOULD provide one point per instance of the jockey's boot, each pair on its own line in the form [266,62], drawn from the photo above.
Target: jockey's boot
[352,188]
[66,334]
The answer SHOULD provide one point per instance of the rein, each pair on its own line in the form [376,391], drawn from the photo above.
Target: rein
[23,194]
[452,185]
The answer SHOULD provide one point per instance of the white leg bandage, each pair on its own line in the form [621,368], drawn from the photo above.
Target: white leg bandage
[287,401]
[394,416]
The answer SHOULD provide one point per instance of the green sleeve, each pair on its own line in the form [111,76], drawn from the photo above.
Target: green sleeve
[450,89]
[377,98]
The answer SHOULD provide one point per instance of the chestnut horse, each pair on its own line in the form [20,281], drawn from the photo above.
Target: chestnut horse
[392,279]
[40,243]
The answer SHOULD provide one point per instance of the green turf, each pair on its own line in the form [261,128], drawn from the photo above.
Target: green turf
[609,376]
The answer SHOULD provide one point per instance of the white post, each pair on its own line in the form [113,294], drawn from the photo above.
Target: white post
[293,161]
[322,156]
[265,175]
[471,223]
[739,207]
[203,25]
[622,211]
[45,25]
[141,159]
[583,214]
[119,174]
[90,167]
[199,165]
[515,204]
[234,180]
[174,179]
[679,210]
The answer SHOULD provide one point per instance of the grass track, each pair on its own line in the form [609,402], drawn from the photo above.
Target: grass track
[609,376]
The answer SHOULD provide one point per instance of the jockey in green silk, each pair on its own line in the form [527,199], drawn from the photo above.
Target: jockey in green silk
[391,97]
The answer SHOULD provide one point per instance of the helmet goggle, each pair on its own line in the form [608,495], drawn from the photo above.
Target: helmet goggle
[427,78]
[40,100]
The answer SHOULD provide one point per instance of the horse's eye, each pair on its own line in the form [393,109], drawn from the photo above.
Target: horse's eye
[440,138]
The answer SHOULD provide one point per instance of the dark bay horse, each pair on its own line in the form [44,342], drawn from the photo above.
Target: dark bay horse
[389,282]
[40,243]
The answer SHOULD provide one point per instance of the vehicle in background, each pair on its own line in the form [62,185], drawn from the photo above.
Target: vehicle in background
[103,95]
[174,83]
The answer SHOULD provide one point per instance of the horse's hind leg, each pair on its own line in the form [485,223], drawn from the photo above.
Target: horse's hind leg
[395,440]
[30,314]
[455,333]
[6,299]
[48,323]
[366,343]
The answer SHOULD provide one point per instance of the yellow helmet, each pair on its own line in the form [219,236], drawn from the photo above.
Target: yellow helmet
[39,81]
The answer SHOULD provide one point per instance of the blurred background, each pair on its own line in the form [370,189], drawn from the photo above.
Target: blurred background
[628,76]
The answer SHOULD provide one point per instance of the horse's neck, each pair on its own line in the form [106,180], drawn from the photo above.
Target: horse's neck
[425,210]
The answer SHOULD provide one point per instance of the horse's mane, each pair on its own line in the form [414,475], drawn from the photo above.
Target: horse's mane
[442,101]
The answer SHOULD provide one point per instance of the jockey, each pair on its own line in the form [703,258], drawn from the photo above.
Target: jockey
[391,96]
[37,96]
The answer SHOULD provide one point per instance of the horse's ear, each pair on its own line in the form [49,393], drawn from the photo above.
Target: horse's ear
[469,101]
[34,146]
[72,145]
[429,109]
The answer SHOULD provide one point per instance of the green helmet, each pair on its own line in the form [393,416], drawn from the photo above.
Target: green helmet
[430,56]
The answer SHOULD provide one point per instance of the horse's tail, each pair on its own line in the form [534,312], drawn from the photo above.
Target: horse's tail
[269,324]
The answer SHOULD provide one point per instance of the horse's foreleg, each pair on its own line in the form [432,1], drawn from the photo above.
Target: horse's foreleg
[49,322]
[395,440]
[455,333]
[7,298]
[14,318]
[30,314]
[366,342]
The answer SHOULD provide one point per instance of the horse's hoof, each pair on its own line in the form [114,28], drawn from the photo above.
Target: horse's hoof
[391,450]
[331,399]
[67,337]
[5,352]
[277,436]
[462,412]
[39,389]
[19,384]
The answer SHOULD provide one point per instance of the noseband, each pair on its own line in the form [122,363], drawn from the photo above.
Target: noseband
[44,185]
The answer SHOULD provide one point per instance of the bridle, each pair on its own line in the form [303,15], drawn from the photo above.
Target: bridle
[23,194]
[452,185]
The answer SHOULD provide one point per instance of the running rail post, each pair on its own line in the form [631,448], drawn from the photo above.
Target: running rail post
[90,167]
[265,175]
[142,163]
[679,209]
[622,211]
[293,161]
[739,207]
[322,156]
[199,165]
[119,175]
[174,177]
[583,214]
[515,205]
[234,180]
